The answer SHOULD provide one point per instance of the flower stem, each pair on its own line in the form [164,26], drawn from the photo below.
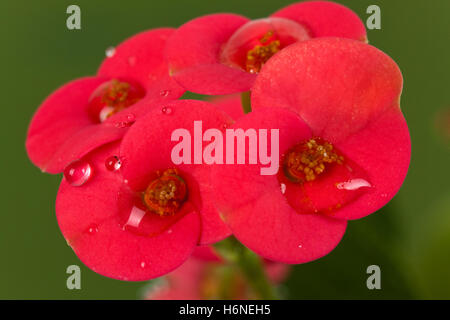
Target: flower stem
[245,101]
[249,264]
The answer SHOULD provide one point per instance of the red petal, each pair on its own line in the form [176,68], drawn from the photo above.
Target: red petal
[141,58]
[81,143]
[119,254]
[144,153]
[194,50]
[213,228]
[383,149]
[89,219]
[270,227]
[59,117]
[325,19]
[350,82]
[80,208]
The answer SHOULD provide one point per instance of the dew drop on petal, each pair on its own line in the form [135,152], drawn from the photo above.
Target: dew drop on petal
[135,217]
[299,245]
[105,113]
[142,264]
[169,231]
[131,117]
[164,93]
[77,173]
[113,163]
[110,51]
[353,184]
[92,229]
[166,110]
[283,188]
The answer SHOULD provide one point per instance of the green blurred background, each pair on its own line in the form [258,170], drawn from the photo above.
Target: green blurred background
[409,239]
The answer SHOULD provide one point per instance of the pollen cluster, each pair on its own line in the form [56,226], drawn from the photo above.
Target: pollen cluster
[166,193]
[262,52]
[116,93]
[117,96]
[309,159]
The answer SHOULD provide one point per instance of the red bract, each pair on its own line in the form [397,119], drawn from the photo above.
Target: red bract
[344,146]
[138,216]
[92,111]
[222,53]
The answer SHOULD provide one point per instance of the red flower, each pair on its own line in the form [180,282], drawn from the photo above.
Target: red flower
[199,279]
[92,111]
[344,146]
[221,53]
[138,215]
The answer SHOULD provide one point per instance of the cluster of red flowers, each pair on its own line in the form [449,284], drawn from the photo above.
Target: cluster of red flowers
[130,213]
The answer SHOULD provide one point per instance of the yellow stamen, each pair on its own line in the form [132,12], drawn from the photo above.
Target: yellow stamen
[308,160]
[261,53]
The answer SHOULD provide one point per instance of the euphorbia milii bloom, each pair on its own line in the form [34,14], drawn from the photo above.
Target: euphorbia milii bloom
[139,215]
[222,53]
[343,142]
[92,111]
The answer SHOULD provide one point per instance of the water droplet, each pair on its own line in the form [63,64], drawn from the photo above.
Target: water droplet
[283,188]
[92,229]
[125,181]
[135,217]
[77,173]
[169,231]
[299,245]
[353,184]
[142,264]
[166,110]
[132,61]
[113,163]
[123,124]
[110,51]
[164,93]
[105,113]
[131,117]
